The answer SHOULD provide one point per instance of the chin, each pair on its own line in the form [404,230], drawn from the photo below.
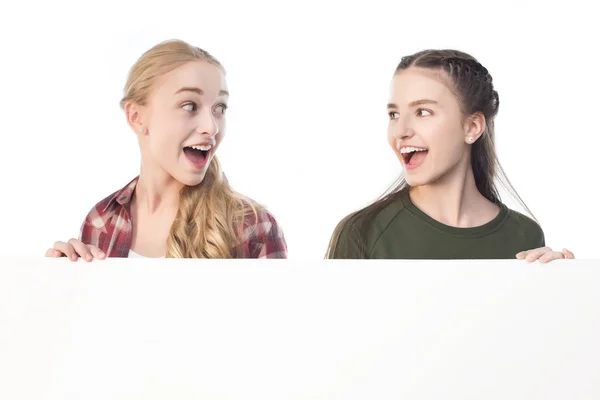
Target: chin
[414,182]
[191,179]
[423,179]
[190,176]
[195,180]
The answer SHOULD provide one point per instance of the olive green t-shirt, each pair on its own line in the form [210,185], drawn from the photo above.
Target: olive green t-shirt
[403,231]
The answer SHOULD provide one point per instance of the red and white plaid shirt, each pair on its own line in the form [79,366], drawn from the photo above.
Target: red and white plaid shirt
[108,226]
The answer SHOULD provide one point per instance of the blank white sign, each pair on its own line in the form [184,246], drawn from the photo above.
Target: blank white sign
[275,329]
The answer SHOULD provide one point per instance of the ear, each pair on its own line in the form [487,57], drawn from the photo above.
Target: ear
[135,118]
[474,127]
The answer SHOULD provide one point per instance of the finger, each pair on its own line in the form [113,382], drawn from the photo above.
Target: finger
[96,252]
[553,255]
[67,250]
[537,253]
[522,255]
[53,253]
[81,249]
[568,254]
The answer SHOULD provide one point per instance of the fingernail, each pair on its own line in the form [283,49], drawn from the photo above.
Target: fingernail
[101,254]
[88,257]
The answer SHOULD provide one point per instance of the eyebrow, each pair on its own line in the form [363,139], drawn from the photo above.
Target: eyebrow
[199,91]
[414,103]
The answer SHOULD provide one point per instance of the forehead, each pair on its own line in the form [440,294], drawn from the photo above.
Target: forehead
[201,74]
[415,84]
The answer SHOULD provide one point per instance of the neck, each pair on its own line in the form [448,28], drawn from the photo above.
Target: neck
[454,200]
[156,190]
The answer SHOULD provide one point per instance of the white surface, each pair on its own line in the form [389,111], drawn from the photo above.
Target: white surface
[185,329]
[306,133]
[133,254]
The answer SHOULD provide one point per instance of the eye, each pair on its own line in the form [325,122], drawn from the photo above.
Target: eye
[393,114]
[191,107]
[221,108]
[421,112]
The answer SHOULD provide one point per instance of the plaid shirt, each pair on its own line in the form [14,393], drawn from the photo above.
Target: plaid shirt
[108,226]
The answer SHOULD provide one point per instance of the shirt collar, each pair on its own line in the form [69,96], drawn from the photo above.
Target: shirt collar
[124,195]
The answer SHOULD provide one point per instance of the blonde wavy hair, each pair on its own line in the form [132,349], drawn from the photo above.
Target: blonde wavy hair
[210,219]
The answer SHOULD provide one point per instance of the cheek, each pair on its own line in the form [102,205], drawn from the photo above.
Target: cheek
[162,138]
[159,127]
[173,133]
[221,135]
[164,150]
[438,134]
[391,139]
[448,147]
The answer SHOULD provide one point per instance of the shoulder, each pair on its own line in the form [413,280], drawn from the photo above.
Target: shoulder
[99,214]
[255,213]
[528,227]
[261,233]
[359,231]
[103,211]
[376,216]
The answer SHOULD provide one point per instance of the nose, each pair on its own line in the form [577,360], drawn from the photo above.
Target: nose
[207,124]
[402,128]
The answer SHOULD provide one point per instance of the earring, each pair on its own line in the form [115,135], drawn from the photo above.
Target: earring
[469,139]
[142,130]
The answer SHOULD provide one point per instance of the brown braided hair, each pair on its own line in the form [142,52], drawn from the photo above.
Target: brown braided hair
[472,85]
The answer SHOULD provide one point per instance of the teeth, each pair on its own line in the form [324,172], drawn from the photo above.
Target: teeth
[405,150]
[205,147]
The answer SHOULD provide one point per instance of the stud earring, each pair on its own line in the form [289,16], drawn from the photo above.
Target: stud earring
[141,130]
[469,139]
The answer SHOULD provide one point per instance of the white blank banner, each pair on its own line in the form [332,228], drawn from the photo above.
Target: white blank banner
[241,329]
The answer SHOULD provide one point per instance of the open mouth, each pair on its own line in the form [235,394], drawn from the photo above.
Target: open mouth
[197,154]
[413,156]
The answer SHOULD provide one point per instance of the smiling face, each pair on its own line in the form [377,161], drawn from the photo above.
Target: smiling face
[427,129]
[183,122]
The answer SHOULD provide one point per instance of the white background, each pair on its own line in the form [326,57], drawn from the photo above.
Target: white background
[307,122]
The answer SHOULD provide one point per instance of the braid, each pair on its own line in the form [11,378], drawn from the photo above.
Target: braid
[469,74]
[473,86]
